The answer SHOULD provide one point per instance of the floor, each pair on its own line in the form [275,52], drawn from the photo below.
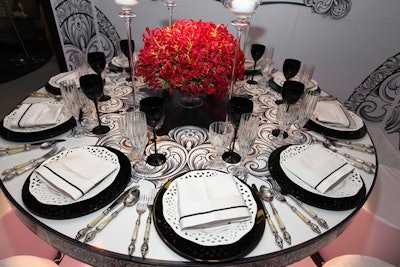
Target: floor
[13,92]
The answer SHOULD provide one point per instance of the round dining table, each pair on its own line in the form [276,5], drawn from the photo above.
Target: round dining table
[183,139]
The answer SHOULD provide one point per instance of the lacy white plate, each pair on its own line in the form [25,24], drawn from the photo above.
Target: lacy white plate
[279,79]
[57,79]
[45,194]
[212,236]
[116,61]
[356,123]
[348,187]
[64,116]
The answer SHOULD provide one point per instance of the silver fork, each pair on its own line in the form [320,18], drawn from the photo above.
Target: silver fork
[276,189]
[150,203]
[140,209]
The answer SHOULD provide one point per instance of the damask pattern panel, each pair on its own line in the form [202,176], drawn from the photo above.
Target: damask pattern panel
[377,98]
[83,28]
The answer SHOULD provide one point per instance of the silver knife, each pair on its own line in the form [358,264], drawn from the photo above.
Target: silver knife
[26,147]
[81,233]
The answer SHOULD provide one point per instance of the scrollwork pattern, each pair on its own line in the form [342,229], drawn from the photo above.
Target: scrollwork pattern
[376,99]
[78,30]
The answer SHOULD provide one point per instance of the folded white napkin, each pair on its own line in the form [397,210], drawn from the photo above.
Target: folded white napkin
[331,112]
[210,201]
[76,173]
[36,114]
[317,167]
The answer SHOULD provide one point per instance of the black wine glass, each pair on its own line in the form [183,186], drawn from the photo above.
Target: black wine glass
[290,68]
[124,44]
[97,61]
[92,87]
[257,51]
[292,91]
[154,108]
[236,107]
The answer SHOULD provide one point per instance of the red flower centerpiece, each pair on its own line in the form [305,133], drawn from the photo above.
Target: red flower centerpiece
[194,57]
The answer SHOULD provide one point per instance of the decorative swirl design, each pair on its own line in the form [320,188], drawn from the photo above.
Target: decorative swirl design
[376,98]
[78,31]
[188,136]
[335,9]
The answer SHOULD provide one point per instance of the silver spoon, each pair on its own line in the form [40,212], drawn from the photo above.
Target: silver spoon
[267,195]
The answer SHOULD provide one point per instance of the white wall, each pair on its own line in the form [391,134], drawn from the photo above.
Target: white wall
[344,51]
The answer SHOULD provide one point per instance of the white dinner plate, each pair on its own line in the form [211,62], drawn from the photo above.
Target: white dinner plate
[279,79]
[63,76]
[46,194]
[356,123]
[350,186]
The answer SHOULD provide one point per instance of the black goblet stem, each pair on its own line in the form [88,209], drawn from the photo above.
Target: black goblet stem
[155,140]
[232,147]
[97,111]
[254,71]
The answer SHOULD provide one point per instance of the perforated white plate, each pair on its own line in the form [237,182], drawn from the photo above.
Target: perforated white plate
[45,194]
[57,79]
[211,236]
[348,187]
[356,123]
[64,116]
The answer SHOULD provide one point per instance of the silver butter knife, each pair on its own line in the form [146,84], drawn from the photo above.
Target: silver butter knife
[81,233]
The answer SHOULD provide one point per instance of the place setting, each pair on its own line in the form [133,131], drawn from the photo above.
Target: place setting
[333,119]
[96,175]
[221,235]
[31,122]
[317,176]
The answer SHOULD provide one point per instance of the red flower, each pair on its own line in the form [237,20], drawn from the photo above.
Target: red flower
[195,57]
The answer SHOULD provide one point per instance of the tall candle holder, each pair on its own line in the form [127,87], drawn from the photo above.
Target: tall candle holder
[243,10]
[127,15]
[170,4]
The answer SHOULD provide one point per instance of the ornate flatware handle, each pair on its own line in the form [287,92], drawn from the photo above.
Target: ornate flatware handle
[92,234]
[278,239]
[20,171]
[310,212]
[131,247]
[18,149]
[81,233]
[145,245]
[281,225]
[313,226]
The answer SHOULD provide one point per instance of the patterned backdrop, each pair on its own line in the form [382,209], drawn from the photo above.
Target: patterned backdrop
[377,98]
[79,32]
